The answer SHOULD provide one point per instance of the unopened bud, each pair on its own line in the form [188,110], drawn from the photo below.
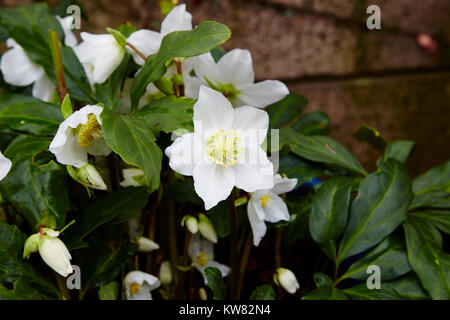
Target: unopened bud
[206,228]
[89,175]
[147,245]
[191,223]
[55,254]
[165,273]
[286,279]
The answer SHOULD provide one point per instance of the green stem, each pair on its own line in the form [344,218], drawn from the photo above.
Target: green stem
[233,248]
[172,233]
[58,64]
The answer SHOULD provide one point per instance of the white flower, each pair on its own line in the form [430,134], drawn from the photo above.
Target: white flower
[286,278]
[206,228]
[191,223]
[138,285]
[130,177]
[147,245]
[19,70]
[5,166]
[165,273]
[52,250]
[233,76]
[266,205]
[100,55]
[201,252]
[148,41]
[89,176]
[224,150]
[78,136]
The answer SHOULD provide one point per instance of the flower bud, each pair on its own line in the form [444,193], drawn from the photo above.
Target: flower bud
[191,223]
[286,278]
[55,254]
[132,177]
[31,245]
[206,228]
[147,245]
[165,273]
[90,176]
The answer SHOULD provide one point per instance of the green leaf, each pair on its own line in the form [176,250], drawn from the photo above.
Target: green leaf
[330,206]
[109,92]
[439,218]
[109,291]
[398,150]
[66,107]
[201,39]
[286,111]
[264,292]
[432,189]
[118,36]
[404,288]
[220,218]
[325,289]
[115,207]
[215,282]
[390,255]
[320,149]
[168,114]
[126,29]
[28,283]
[313,123]
[429,261]
[38,191]
[134,141]
[379,208]
[295,167]
[298,227]
[218,53]
[29,115]
[370,135]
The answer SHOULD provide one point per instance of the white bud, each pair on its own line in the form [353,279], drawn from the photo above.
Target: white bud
[191,223]
[286,278]
[206,228]
[147,245]
[165,273]
[31,245]
[89,175]
[132,177]
[55,254]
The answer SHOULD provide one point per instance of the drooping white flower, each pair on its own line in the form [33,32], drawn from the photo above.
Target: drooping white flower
[201,252]
[19,70]
[131,177]
[233,76]
[147,245]
[148,41]
[52,250]
[224,150]
[267,205]
[286,278]
[165,273]
[100,55]
[5,166]
[78,136]
[206,228]
[138,285]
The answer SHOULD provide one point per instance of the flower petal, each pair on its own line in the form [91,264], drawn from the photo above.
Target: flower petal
[253,121]
[178,19]
[70,39]
[183,153]
[236,68]
[224,270]
[146,41]
[283,185]
[213,183]
[5,166]
[257,224]
[276,209]
[43,88]
[263,93]
[212,111]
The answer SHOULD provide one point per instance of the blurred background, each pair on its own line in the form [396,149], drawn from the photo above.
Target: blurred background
[396,80]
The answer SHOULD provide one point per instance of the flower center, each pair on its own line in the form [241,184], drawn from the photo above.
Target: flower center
[264,200]
[202,259]
[89,131]
[135,288]
[224,148]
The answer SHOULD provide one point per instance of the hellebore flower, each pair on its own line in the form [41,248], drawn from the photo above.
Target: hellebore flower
[52,250]
[201,252]
[191,223]
[148,42]
[286,278]
[206,228]
[138,285]
[266,205]
[5,166]
[89,176]
[131,177]
[80,135]
[19,70]
[233,76]
[224,150]
[147,245]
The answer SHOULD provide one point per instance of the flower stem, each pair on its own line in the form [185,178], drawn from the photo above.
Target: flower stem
[244,261]
[279,236]
[58,64]
[233,248]
[184,263]
[137,51]
[172,233]
[62,287]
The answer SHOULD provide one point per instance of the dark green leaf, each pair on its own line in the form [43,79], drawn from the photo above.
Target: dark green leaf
[215,282]
[429,261]
[109,291]
[286,111]
[440,218]
[217,53]
[20,291]
[320,149]
[295,167]
[29,115]
[379,208]
[298,227]
[370,135]
[264,292]
[390,255]
[325,289]
[134,141]
[38,191]
[201,39]
[330,206]
[398,150]
[313,123]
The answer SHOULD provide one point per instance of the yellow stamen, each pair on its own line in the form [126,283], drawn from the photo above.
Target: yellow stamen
[224,148]
[264,200]
[202,259]
[89,131]
[135,288]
